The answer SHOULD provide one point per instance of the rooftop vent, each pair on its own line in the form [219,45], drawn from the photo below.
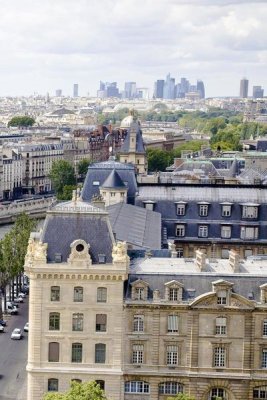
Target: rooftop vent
[58,257]
[102,258]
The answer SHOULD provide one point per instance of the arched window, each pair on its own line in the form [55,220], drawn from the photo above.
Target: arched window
[76,352]
[100,353]
[52,385]
[170,388]
[78,294]
[54,321]
[101,295]
[260,393]
[101,384]
[218,393]
[136,387]
[53,352]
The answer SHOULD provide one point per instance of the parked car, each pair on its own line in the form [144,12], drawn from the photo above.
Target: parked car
[2,329]
[26,327]
[21,294]
[11,310]
[16,334]
[12,304]
[18,299]
[2,322]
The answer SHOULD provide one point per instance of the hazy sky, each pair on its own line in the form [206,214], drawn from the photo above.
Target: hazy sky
[51,44]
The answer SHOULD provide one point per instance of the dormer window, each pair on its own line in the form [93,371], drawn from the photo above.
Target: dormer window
[250,211]
[203,209]
[180,208]
[139,293]
[173,291]
[173,294]
[139,290]
[221,297]
[226,209]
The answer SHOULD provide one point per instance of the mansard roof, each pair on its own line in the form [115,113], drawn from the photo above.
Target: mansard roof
[72,220]
[113,181]
[125,148]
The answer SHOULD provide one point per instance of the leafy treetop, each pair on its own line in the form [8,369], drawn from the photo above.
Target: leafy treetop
[21,121]
[79,391]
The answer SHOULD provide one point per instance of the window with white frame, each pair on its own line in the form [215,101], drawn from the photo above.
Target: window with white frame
[180,230]
[249,212]
[172,323]
[249,232]
[203,231]
[173,294]
[217,393]
[172,355]
[219,356]
[170,388]
[77,322]
[226,231]
[78,294]
[136,387]
[226,210]
[203,210]
[180,252]
[138,323]
[220,326]
[139,293]
[260,393]
[221,297]
[138,354]
[264,358]
[101,295]
[264,328]
[180,209]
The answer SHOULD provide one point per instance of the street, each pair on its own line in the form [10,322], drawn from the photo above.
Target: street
[13,357]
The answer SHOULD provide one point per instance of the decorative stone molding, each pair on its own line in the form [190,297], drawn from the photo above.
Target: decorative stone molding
[36,251]
[79,254]
[119,253]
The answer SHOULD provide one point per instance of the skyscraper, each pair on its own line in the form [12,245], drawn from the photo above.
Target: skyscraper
[158,89]
[244,88]
[258,92]
[169,87]
[201,89]
[75,90]
[58,92]
[130,90]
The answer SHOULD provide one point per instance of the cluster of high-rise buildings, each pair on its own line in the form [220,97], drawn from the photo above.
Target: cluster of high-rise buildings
[257,91]
[131,91]
[168,89]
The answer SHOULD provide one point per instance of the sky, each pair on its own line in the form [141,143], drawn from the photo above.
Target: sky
[51,44]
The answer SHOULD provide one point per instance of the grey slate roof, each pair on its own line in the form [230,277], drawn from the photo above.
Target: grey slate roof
[113,181]
[68,221]
[139,140]
[140,228]
[99,172]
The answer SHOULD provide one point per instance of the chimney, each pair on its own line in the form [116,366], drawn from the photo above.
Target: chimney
[234,260]
[200,259]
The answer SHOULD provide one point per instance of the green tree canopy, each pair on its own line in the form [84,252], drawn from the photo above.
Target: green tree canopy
[83,166]
[79,391]
[181,396]
[62,174]
[21,121]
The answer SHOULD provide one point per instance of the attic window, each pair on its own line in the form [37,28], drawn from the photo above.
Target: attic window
[96,183]
[80,247]
[102,258]
[58,257]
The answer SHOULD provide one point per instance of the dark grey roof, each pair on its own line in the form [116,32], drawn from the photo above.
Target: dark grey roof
[99,172]
[68,221]
[113,181]
[139,140]
[139,227]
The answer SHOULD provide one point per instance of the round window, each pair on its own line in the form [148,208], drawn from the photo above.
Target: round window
[80,247]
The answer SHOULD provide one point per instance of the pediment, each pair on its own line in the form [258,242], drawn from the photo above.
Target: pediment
[210,300]
[174,284]
[139,282]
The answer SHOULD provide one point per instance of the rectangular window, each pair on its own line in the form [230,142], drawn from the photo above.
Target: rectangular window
[101,295]
[53,352]
[219,357]
[52,385]
[138,354]
[264,330]
[180,252]
[180,230]
[221,297]
[138,323]
[101,323]
[226,231]
[77,322]
[249,232]
[139,293]
[100,353]
[203,210]
[226,210]
[172,355]
[249,212]
[78,294]
[180,209]
[220,326]
[264,358]
[172,323]
[203,231]
[54,321]
[55,293]
[173,294]
[77,352]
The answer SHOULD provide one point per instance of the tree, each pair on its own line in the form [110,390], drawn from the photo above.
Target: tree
[67,192]
[83,166]
[79,391]
[21,121]
[181,396]
[158,160]
[62,174]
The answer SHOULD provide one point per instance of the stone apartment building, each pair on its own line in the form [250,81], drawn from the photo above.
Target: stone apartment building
[146,329]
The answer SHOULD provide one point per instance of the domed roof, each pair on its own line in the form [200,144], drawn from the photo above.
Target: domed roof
[127,121]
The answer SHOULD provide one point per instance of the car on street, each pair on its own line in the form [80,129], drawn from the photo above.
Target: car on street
[18,299]
[21,294]
[2,322]
[26,327]
[11,310]
[2,329]
[16,334]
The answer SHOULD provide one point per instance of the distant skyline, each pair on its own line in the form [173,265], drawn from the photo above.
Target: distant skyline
[47,45]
